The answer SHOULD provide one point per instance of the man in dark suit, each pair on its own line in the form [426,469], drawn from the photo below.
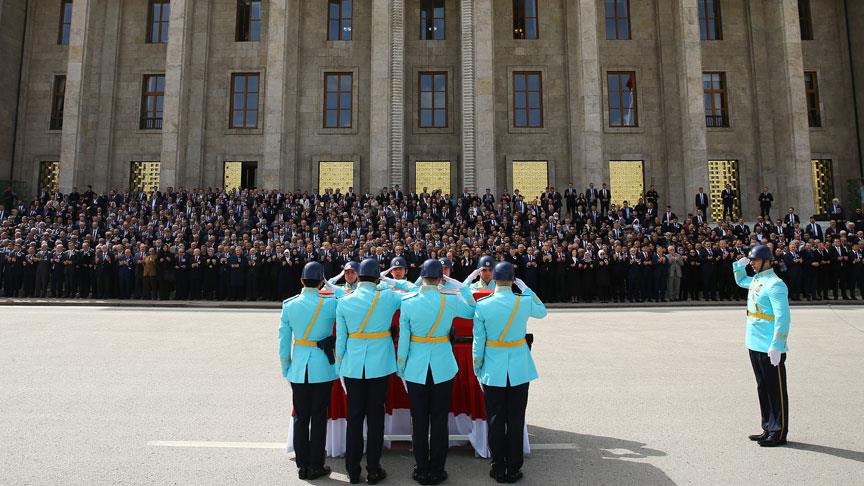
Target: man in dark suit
[839,256]
[702,201]
[794,263]
[835,212]
[668,215]
[591,194]
[765,200]
[728,197]
[605,198]
[570,195]
[815,230]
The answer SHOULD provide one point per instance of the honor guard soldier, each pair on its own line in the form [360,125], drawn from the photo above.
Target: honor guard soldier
[484,268]
[427,364]
[399,270]
[447,282]
[349,271]
[365,358]
[503,364]
[767,331]
[308,317]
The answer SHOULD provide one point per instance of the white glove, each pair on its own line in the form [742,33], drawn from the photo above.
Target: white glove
[387,280]
[386,272]
[519,283]
[330,286]
[453,282]
[470,278]
[774,355]
[744,261]
[336,278]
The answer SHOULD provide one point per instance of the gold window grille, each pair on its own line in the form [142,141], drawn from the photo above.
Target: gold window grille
[720,173]
[626,181]
[335,175]
[144,176]
[49,175]
[233,177]
[530,177]
[434,175]
[823,184]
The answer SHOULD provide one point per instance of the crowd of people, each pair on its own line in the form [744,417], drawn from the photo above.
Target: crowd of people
[252,244]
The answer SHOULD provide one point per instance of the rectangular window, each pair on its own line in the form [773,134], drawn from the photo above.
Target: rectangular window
[160,14]
[811,88]
[623,111]
[525,25]
[65,22]
[337,100]
[433,100]
[58,98]
[527,100]
[244,100]
[339,14]
[716,111]
[710,27]
[248,21]
[618,19]
[432,20]
[805,19]
[152,99]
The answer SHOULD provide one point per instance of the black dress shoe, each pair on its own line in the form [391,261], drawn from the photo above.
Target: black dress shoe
[375,476]
[437,478]
[499,477]
[354,479]
[318,472]
[514,477]
[303,473]
[772,441]
[420,476]
[758,437]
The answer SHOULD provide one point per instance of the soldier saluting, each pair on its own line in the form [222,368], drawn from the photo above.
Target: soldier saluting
[427,364]
[503,364]
[767,331]
[365,358]
[309,318]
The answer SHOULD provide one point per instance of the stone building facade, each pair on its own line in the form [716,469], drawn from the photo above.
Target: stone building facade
[621,88]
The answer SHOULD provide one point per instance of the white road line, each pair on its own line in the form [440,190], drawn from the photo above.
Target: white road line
[552,447]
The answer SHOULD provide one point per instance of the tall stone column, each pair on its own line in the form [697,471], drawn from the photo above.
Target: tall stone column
[195,102]
[784,134]
[280,100]
[13,16]
[693,168]
[82,72]
[478,97]
[177,73]
[104,100]
[387,77]
[585,92]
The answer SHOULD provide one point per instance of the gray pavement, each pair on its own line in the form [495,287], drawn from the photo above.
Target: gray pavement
[626,396]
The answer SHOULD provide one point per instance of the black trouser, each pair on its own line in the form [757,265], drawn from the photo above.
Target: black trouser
[365,401]
[773,399]
[430,407]
[708,283]
[505,412]
[727,211]
[311,402]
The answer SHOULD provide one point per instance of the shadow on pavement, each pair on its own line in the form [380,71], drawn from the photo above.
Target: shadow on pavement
[831,451]
[595,459]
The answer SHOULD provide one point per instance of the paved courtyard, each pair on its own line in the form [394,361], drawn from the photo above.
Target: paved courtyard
[96,395]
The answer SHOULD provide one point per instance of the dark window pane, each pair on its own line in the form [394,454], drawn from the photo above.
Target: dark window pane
[519,100]
[425,82]
[344,118]
[519,82]
[425,118]
[345,101]
[330,120]
[440,119]
[346,82]
[426,100]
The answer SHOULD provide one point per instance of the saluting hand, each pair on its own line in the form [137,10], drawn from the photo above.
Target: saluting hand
[519,283]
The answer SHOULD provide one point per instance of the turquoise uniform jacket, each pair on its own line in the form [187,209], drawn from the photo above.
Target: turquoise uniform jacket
[358,357]
[296,316]
[495,365]
[767,309]
[420,313]
[481,285]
